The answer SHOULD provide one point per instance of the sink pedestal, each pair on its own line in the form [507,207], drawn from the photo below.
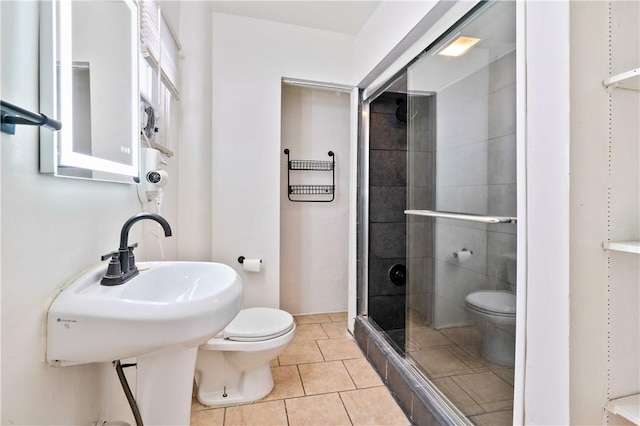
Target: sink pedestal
[164,385]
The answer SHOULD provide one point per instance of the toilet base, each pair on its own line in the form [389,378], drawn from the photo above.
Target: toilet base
[498,347]
[249,386]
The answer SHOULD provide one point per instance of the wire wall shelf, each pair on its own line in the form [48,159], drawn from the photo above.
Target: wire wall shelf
[325,166]
[311,189]
[318,193]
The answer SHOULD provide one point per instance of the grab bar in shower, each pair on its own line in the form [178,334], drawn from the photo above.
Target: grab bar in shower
[459,216]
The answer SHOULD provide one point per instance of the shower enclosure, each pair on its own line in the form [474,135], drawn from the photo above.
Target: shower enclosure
[437,218]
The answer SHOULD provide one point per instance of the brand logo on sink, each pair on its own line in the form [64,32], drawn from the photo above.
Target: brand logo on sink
[66,320]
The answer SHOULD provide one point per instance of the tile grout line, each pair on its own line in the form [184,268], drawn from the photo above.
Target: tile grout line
[320,349]
[304,391]
[346,410]
[349,374]
[286,412]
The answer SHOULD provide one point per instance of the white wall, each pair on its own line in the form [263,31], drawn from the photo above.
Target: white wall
[187,196]
[314,246]
[157,246]
[194,159]
[250,57]
[52,229]
[388,25]
[548,219]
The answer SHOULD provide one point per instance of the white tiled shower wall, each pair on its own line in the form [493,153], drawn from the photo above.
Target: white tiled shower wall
[475,173]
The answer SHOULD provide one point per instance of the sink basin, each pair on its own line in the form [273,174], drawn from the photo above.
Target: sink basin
[168,303]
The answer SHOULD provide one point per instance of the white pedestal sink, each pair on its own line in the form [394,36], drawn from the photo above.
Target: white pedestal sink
[161,316]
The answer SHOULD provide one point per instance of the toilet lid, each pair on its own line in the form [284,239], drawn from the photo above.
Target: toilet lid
[500,302]
[255,324]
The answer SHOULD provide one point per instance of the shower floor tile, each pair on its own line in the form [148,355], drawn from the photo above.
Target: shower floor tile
[485,387]
[505,374]
[463,336]
[441,362]
[477,363]
[453,360]
[493,419]
[458,396]
[339,388]
[425,338]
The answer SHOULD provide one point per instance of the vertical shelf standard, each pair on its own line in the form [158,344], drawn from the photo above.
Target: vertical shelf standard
[321,193]
[623,271]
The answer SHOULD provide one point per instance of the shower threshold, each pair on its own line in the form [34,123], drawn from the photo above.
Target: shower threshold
[422,402]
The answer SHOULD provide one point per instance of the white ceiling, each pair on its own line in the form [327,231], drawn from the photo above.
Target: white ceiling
[339,16]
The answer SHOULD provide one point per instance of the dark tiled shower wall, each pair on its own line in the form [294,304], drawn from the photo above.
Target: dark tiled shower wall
[387,202]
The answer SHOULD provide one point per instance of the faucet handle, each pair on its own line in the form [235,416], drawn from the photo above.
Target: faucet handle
[112,255]
[132,258]
[113,269]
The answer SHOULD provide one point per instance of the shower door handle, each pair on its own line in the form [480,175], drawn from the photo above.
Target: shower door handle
[460,216]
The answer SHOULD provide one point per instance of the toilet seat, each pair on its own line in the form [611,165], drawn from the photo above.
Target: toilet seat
[258,324]
[497,303]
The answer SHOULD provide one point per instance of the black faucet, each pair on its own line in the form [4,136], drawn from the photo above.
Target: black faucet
[122,266]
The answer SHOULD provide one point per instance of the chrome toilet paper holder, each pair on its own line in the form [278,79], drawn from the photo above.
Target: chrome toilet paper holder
[242,258]
[464,250]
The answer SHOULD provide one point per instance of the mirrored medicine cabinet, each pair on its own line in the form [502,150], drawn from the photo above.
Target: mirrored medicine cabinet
[89,53]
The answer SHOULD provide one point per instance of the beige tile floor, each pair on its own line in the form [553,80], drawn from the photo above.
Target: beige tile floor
[452,359]
[321,378]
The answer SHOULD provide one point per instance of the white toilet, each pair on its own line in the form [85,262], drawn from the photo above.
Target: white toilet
[495,313]
[233,367]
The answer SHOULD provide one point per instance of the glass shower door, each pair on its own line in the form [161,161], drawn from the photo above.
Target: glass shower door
[461,208]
